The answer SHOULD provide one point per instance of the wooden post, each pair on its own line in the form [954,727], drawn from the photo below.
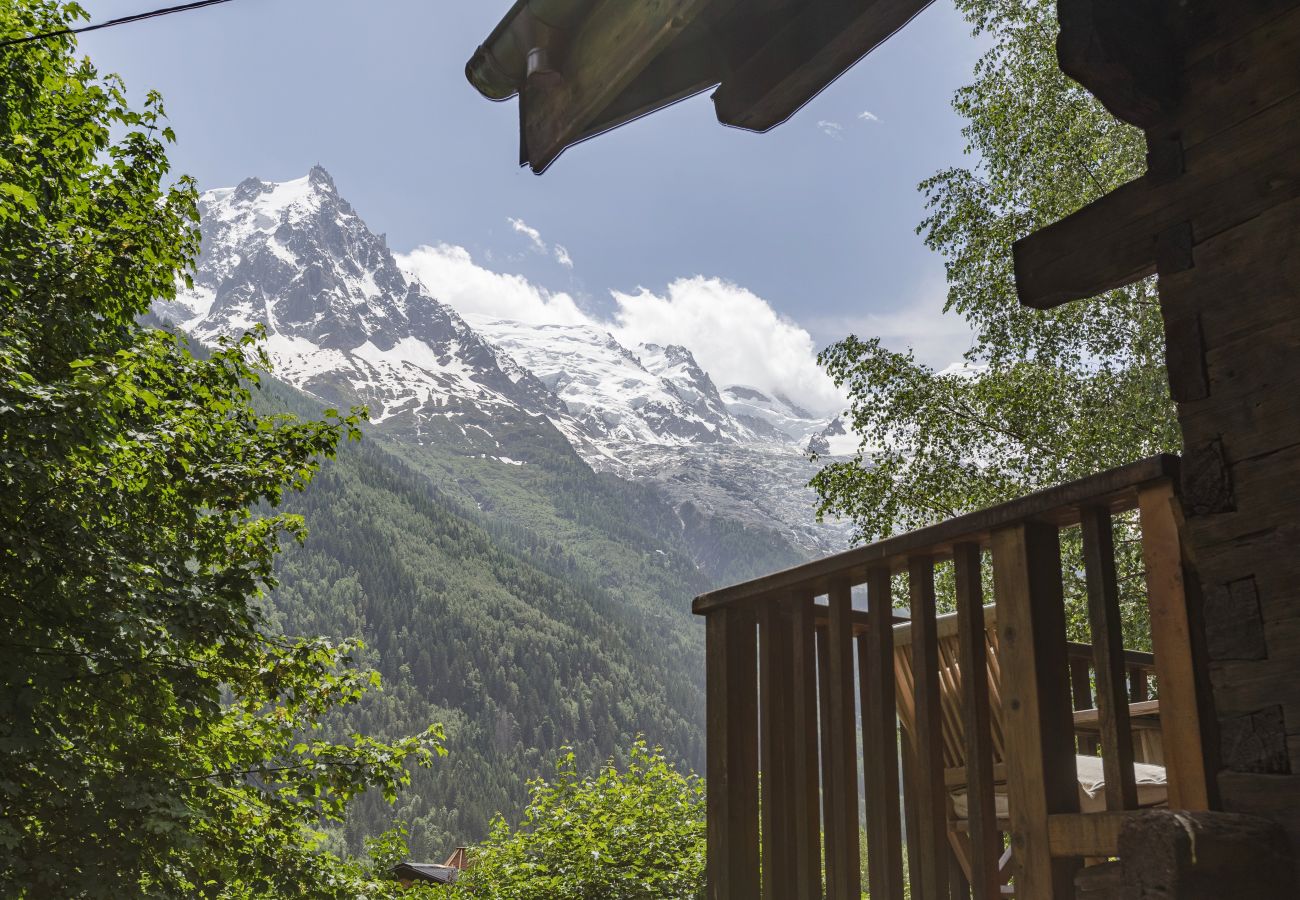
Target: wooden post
[931,809]
[1037,720]
[843,867]
[1171,641]
[880,742]
[732,716]
[1108,657]
[986,843]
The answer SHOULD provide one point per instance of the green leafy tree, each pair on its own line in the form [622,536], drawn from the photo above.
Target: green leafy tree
[1043,397]
[632,834]
[154,741]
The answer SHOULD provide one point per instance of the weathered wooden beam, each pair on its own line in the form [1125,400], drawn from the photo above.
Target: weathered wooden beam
[614,44]
[1123,52]
[817,46]
[1231,178]
[1060,263]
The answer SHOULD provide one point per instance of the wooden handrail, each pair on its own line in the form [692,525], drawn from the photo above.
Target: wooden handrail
[1133,659]
[1116,490]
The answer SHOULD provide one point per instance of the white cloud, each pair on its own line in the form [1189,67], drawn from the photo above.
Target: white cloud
[831,129]
[534,236]
[939,339]
[868,116]
[562,256]
[452,276]
[736,336]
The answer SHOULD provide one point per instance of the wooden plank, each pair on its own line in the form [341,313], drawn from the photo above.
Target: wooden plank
[776,808]
[1041,774]
[843,866]
[821,43]
[986,840]
[1085,834]
[732,716]
[1171,639]
[1108,658]
[880,743]
[614,44]
[931,806]
[1092,718]
[1116,488]
[1244,78]
[805,849]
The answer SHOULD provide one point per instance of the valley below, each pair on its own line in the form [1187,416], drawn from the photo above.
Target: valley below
[520,535]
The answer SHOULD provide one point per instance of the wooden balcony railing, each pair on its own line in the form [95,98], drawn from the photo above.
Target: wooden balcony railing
[988,706]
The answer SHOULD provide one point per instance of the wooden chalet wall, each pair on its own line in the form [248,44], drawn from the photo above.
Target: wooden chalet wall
[1216,87]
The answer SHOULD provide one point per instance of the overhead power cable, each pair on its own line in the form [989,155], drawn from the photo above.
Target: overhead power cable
[122,20]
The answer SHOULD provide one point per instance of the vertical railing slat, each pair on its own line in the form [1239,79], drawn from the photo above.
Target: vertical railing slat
[1171,643]
[830,826]
[843,867]
[880,742]
[804,762]
[1108,658]
[732,723]
[776,807]
[1037,720]
[986,843]
[931,810]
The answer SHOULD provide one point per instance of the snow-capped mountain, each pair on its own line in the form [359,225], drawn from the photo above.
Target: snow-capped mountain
[342,320]
[344,323]
[647,394]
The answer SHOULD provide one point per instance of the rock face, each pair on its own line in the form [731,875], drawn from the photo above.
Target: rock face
[345,324]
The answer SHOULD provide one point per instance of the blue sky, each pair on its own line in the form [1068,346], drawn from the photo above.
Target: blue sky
[816,219]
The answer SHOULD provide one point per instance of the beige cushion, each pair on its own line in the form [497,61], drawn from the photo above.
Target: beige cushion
[1151,788]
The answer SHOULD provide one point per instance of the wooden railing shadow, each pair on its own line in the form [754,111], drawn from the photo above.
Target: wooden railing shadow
[794,684]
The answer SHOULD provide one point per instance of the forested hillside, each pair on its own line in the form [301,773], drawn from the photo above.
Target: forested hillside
[526,607]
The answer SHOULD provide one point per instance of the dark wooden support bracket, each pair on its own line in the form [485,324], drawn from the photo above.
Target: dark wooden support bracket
[1124,53]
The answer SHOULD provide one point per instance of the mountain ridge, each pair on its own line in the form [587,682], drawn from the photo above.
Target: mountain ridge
[345,324]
